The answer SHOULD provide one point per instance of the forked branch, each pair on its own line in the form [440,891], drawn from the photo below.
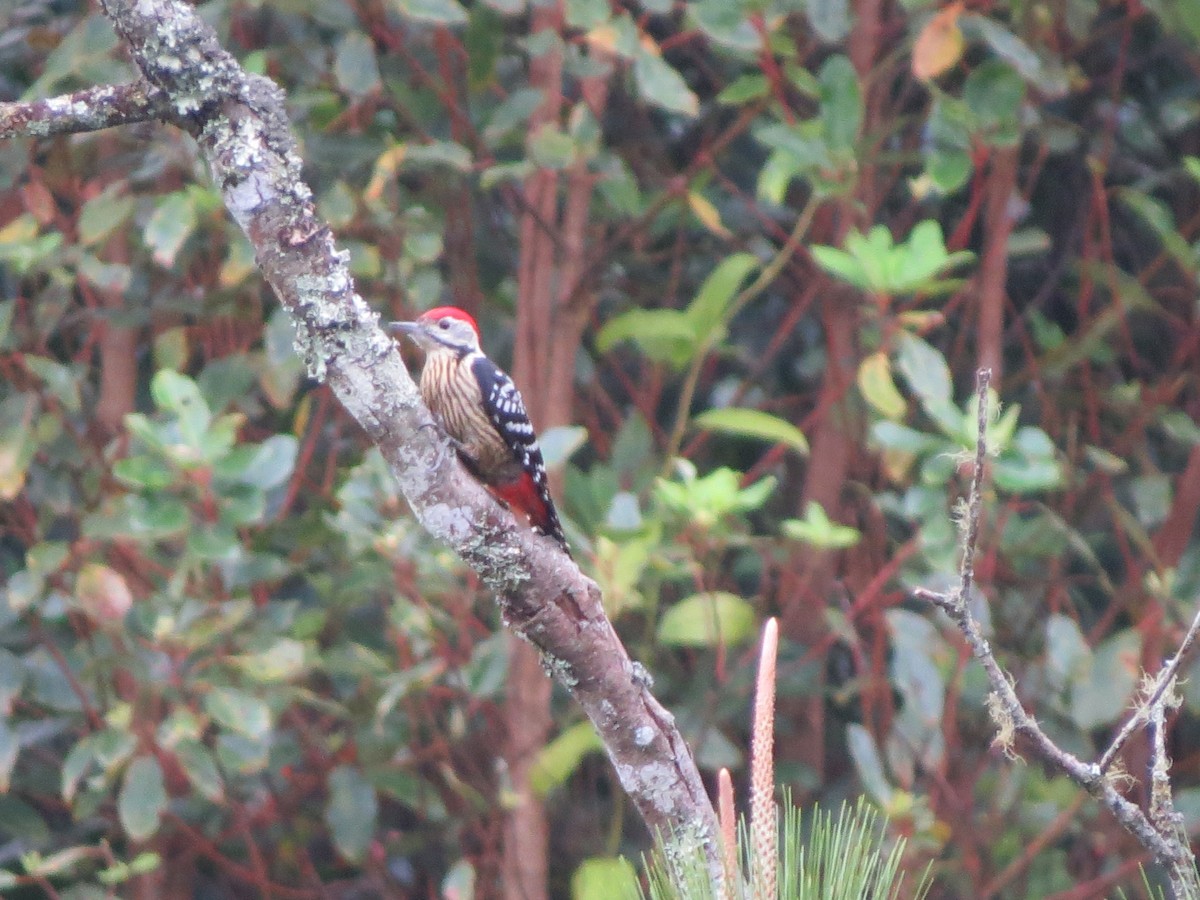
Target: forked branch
[1158,832]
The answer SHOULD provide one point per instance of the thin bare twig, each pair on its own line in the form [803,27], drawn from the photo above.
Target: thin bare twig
[975,497]
[1169,850]
[1161,681]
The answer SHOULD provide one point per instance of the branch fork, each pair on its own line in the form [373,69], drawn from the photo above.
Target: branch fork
[1160,832]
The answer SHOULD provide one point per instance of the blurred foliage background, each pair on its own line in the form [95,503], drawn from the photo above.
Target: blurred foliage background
[744,259]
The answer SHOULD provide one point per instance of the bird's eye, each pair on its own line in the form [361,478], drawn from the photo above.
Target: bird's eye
[444,323]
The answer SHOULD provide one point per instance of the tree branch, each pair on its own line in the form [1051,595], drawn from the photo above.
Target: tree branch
[1165,843]
[88,110]
[1162,686]
[239,121]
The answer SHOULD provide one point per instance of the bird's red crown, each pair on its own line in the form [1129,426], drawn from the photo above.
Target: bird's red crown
[450,312]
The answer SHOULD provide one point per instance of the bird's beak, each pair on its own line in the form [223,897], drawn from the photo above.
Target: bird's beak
[408,329]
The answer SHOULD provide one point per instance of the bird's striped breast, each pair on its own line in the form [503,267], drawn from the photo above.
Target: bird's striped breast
[451,391]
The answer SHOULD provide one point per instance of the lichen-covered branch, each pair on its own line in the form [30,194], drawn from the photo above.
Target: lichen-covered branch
[1157,696]
[88,110]
[1165,843]
[239,121]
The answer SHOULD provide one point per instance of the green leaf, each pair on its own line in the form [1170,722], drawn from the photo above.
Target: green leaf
[22,248]
[413,679]
[753,423]
[282,661]
[459,883]
[48,684]
[725,23]
[355,66]
[1007,46]
[241,755]
[925,370]
[279,376]
[1000,430]
[17,447]
[118,873]
[110,277]
[513,113]
[818,530]
[173,220]
[10,749]
[841,264]
[22,822]
[24,589]
[587,14]
[1160,218]
[148,472]
[1100,694]
[914,263]
[877,387]
[869,764]
[12,680]
[1029,466]
[201,769]
[103,213]
[443,12]
[552,149]
[624,514]
[709,309]
[664,335]
[558,759]
[830,19]
[708,619]
[602,878]
[841,103]
[1066,650]
[948,169]
[743,89]
[438,153]
[662,85]
[559,444]
[61,380]
[111,747]
[994,93]
[352,812]
[143,798]
[178,394]
[83,49]
[155,516]
[59,863]
[7,309]
[239,712]
[874,262]
[620,566]
[272,464]
[171,349]
[706,500]
[1180,427]
[1049,79]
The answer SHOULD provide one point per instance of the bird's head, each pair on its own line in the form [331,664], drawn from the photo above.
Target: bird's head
[443,329]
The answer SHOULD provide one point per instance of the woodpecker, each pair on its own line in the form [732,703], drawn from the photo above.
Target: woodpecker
[483,413]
